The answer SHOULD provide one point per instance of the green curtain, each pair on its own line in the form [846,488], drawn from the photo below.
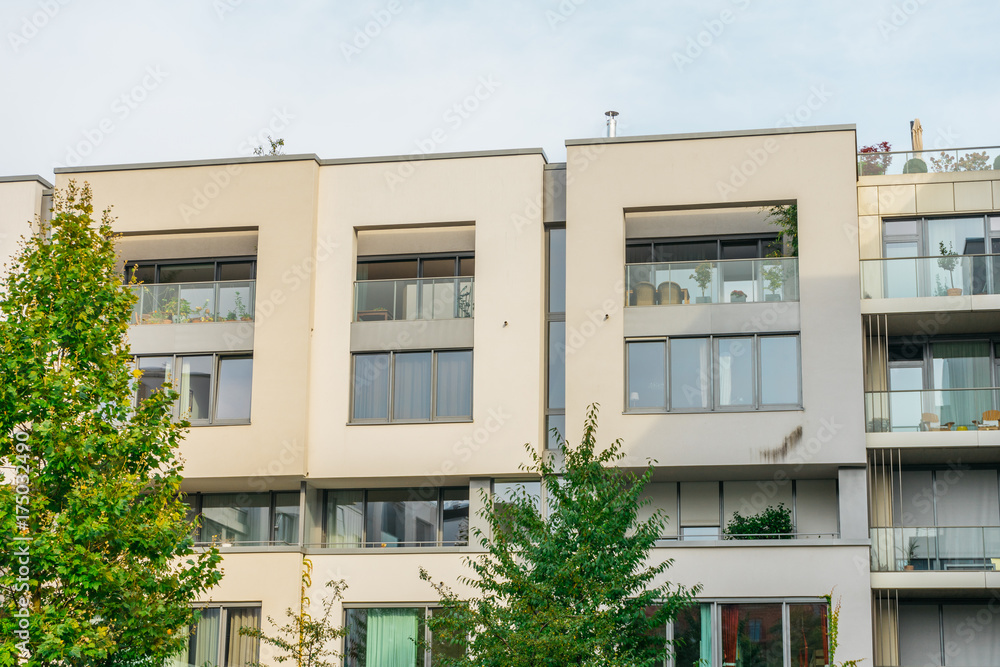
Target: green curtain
[392,637]
[705,658]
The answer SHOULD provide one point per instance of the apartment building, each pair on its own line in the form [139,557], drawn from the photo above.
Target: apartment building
[364,346]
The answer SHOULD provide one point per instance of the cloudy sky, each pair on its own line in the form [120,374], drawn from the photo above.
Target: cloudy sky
[100,82]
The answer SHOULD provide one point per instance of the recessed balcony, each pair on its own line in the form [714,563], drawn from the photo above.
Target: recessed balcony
[196,302]
[414,299]
[948,277]
[911,411]
[935,548]
[929,161]
[714,281]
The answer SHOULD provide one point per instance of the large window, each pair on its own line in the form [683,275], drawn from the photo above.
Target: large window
[415,287]
[247,519]
[193,270]
[392,637]
[956,633]
[383,518]
[216,640]
[212,388]
[412,386]
[713,373]
[555,379]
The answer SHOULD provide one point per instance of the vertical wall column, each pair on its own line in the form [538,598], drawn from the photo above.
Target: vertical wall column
[853,503]
[478,486]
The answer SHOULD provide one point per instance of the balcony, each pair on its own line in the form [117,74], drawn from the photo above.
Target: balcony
[184,303]
[935,548]
[918,162]
[931,410]
[717,281]
[919,277]
[414,299]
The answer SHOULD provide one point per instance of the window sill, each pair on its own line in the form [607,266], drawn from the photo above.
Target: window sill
[714,412]
[410,423]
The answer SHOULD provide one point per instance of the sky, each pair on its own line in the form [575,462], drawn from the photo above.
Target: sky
[92,82]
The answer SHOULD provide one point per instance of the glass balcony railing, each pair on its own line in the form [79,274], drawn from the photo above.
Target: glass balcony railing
[182,303]
[954,275]
[720,281]
[935,548]
[931,410]
[929,161]
[414,299]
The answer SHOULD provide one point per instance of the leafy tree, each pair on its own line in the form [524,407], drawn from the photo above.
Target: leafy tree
[110,571]
[770,523]
[277,147]
[572,587]
[786,217]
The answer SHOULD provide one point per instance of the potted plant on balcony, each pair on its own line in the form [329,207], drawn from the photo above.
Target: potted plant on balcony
[774,274]
[771,523]
[242,313]
[948,261]
[737,296]
[911,556]
[703,276]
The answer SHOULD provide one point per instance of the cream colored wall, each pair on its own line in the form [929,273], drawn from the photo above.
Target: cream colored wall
[814,169]
[278,198]
[500,196]
[20,202]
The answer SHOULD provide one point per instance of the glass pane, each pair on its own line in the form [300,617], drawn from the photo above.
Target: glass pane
[155,372]
[640,252]
[412,386]
[905,411]
[959,366]
[454,384]
[751,635]
[507,490]
[438,268]
[371,386]
[685,251]
[557,365]
[383,637]
[736,372]
[195,387]
[690,373]
[391,270]
[467,266]
[557,422]
[646,381]
[235,302]
[236,271]
[241,651]
[779,370]
[286,518]
[197,302]
[808,634]
[235,381]
[143,274]
[557,270]
[344,518]
[455,530]
[235,518]
[902,275]
[900,228]
[747,249]
[441,649]
[699,533]
[203,647]
[187,273]
[961,236]
[693,632]
[402,518]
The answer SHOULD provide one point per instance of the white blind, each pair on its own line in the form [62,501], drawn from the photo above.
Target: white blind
[749,498]
[912,499]
[965,645]
[919,635]
[816,506]
[967,498]
[663,496]
[699,503]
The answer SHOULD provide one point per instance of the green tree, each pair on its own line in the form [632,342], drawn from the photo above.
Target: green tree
[771,523]
[570,587]
[97,566]
[277,148]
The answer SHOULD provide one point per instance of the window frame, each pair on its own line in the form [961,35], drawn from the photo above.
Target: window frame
[195,501]
[553,414]
[390,382]
[217,261]
[713,377]
[764,241]
[419,258]
[213,396]
[224,607]
[365,543]
[426,636]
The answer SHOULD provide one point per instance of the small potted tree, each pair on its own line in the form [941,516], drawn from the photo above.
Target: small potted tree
[703,276]
[948,261]
[774,274]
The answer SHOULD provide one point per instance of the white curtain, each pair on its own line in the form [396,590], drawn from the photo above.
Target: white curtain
[242,651]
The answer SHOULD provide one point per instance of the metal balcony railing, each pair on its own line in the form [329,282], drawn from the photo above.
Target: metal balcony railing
[935,548]
[414,299]
[719,281]
[931,410]
[183,303]
[929,161]
[909,277]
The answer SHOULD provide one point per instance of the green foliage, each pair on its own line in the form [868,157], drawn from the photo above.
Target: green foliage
[772,523]
[111,567]
[277,147]
[834,634]
[915,166]
[304,639]
[774,274]
[569,588]
[948,260]
[702,275]
[968,162]
[786,217]
[996,163]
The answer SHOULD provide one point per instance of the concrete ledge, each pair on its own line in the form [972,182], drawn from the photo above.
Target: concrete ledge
[712,135]
[719,318]
[26,179]
[951,580]
[190,338]
[412,335]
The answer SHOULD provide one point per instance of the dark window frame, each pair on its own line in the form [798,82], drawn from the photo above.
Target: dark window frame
[217,358]
[195,501]
[365,543]
[218,261]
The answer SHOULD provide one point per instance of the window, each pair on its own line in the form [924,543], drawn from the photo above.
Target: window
[392,637]
[216,640]
[701,249]
[713,373]
[384,518]
[203,290]
[555,378]
[247,519]
[412,386]
[425,287]
[952,633]
[192,271]
[212,388]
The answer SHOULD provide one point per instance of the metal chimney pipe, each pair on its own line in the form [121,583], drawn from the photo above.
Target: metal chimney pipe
[612,123]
